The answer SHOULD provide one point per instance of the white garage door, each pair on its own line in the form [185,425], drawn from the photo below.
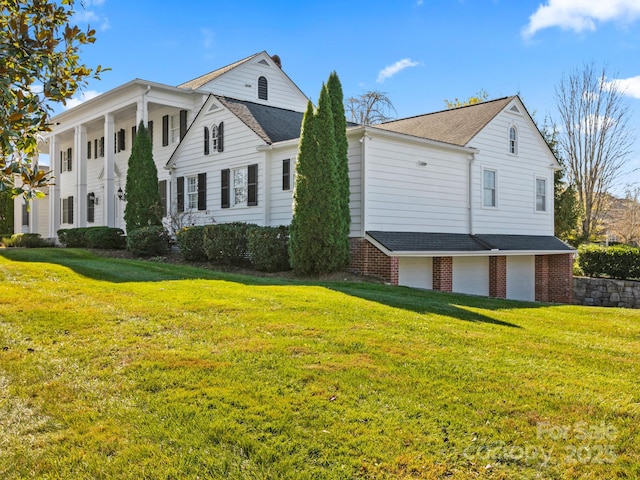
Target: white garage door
[521,278]
[415,272]
[471,275]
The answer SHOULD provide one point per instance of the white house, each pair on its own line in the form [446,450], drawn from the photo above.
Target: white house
[459,200]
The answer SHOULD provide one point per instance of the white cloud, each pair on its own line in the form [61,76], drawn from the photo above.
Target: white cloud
[390,70]
[84,15]
[580,15]
[83,97]
[628,86]
[419,3]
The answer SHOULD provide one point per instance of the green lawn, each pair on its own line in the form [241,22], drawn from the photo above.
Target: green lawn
[143,370]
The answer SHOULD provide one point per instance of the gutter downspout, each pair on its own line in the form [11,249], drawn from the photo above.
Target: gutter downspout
[472,158]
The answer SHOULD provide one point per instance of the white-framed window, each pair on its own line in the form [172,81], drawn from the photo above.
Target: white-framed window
[541,195]
[240,181]
[192,192]
[513,140]
[67,210]
[214,138]
[174,128]
[489,188]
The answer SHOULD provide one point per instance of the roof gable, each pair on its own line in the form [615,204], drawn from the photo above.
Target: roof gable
[208,77]
[456,126]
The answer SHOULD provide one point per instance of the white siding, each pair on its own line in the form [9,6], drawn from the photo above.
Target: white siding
[415,272]
[521,278]
[402,195]
[471,275]
[240,151]
[515,211]
[281,201]
[242,83]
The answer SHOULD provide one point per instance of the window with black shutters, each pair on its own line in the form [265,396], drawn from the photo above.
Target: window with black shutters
[91,202]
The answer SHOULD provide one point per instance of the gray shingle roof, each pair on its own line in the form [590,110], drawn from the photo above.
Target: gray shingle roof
[460,242]
[272,124]
[206,78]
[456,126]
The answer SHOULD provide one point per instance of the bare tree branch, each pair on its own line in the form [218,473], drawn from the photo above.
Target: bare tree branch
[369,108]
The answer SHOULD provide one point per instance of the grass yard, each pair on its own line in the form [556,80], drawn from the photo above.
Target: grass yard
[141,370]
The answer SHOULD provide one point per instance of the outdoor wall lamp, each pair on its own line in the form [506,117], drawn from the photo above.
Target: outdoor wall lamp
[121,194]
[92,198]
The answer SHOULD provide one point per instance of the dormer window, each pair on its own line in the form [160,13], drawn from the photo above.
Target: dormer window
[513,140]
[215,136]
[262,88]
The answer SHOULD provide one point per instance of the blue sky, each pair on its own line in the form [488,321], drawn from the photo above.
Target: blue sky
[420,52]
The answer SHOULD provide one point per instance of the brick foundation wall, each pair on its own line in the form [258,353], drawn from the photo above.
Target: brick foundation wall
[554,278]
[366,259]
[443,274]
[498,277]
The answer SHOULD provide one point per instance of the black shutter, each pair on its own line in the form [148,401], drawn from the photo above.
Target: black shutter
[150,129]
[180,193]
[134,132]
[183,123]
[121,137]
[202,191]
[224,190]
[89,149]
[102,146]
[252,186]
[286,174]
[69,161]
[221,137]
[162,185]
[70,200]
[62,165]
[206,140]
[95,148]
[115,142]
[165,130]
[90,208]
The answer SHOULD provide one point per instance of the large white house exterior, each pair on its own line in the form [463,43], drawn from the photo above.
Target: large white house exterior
[459,200]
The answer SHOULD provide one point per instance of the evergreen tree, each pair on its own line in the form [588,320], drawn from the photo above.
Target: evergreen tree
[143,195]
[342,165]
[315,228]
[6,212]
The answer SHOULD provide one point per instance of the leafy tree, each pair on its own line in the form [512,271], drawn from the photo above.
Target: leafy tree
[6,213]
[566,206]
[369,108]
[39,64]
[143,195]
[479,97]
[596,139]
[334,88]
[315,227]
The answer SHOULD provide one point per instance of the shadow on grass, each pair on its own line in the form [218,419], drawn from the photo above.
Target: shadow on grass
[115,270]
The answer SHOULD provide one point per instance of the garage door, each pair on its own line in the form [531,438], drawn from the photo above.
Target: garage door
[521,278]
[471,275]
[415,272]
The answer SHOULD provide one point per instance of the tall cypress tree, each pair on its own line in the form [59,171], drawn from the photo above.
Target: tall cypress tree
[143,195]
[315,228]
[342,165]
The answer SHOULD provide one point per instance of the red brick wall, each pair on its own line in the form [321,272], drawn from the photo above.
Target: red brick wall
[443,274]
[498,277]
[366,259]
[554,278]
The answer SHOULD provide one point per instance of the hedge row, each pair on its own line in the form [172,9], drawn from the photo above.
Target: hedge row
[26,240]
[106,238]
[266,248]
[618,261]
[148,241]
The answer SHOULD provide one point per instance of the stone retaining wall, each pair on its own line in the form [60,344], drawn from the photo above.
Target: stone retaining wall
[605,292]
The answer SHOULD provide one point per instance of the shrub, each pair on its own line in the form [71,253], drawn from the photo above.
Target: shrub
[148,241]
[226,243]
[269,248]
[191,243]
[106,238]
[618,261]
[27,240]
[73,237]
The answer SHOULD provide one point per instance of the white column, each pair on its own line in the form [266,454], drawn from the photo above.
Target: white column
[54,190]
[109,196]
[80,164]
